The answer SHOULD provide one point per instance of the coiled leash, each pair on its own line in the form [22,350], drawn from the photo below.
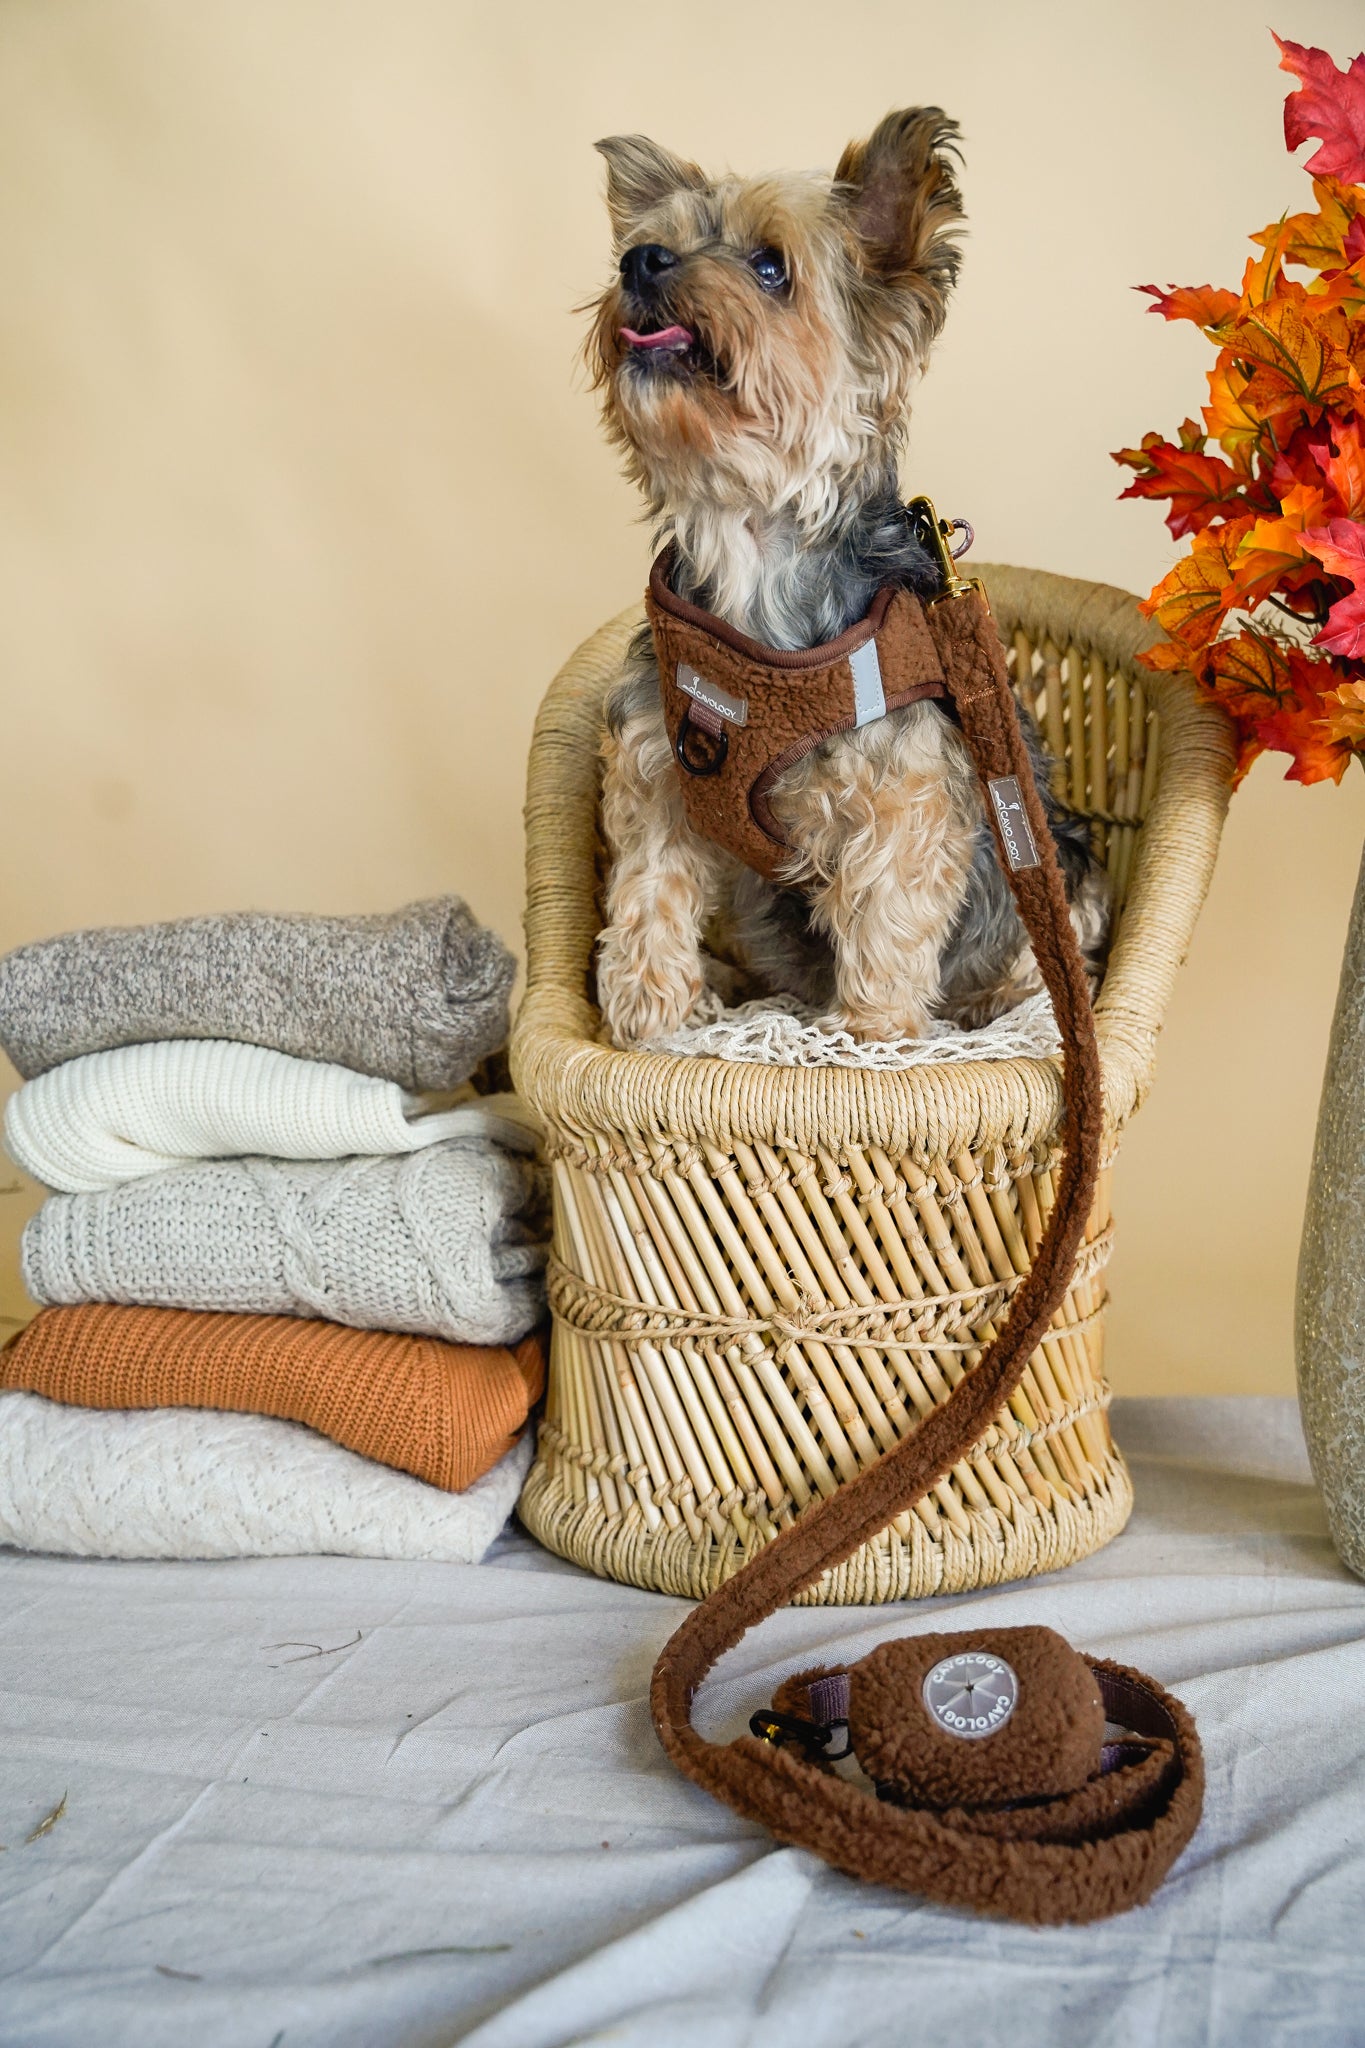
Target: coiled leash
[995,1787]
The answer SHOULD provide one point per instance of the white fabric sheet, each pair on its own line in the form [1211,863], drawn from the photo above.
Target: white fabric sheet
[455,1824]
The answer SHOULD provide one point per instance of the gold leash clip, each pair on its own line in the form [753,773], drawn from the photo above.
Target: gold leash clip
[935,534]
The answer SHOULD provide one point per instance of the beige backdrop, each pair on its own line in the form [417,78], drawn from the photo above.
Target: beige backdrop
[302,498]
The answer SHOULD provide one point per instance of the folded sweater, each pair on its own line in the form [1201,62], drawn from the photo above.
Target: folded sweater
[181,1482]
[111,1116]
[446,1242]
[417,996]
[444,1412]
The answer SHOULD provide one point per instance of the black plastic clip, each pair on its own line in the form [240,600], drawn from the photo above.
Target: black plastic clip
[778,1729]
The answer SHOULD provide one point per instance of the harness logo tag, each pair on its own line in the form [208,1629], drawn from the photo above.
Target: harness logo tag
[1016,834]
[734,709]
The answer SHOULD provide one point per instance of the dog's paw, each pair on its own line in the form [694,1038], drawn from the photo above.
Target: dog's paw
[883,1026]
[638,1007]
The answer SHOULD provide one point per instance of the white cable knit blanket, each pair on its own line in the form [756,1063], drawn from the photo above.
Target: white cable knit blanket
[777,1031]
[110,1116]
[184,1482]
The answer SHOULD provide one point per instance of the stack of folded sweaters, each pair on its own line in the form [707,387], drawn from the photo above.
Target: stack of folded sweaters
[258,1208]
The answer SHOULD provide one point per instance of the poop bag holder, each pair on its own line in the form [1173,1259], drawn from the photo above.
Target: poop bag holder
[995,1787]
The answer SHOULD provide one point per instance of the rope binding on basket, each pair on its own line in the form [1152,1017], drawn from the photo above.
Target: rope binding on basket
[1032,1816]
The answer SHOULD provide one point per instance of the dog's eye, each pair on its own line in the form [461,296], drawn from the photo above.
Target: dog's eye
[769,268]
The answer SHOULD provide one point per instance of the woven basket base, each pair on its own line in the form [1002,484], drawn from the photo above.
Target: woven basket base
[891,1567]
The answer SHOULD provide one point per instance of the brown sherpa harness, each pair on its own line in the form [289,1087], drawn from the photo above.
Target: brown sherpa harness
[740,714]
[1028,1812]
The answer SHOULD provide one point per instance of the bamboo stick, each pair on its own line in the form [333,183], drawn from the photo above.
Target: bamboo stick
[1054,715]
[697,1442]
[637,1387]
[1097,698]
[1076,708]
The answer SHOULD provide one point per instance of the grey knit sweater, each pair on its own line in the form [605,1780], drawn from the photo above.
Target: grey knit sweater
[418,996]
[450,1242]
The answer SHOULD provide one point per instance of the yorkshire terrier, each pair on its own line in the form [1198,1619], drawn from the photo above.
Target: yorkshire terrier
[756,352]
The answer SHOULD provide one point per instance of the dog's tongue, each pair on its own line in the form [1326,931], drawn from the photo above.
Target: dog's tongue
[667,338]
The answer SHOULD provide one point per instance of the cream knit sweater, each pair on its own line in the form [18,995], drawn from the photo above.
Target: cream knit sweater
[111,1116]
[446,1242]
[186,1482]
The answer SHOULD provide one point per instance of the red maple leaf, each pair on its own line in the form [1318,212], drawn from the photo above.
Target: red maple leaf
[1276,697]
[1340,547]
[1330,105]
[1301,459]
[1344,632]
[1342,462]
[1201,487]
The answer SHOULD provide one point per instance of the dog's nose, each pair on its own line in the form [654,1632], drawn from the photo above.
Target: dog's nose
[644,265]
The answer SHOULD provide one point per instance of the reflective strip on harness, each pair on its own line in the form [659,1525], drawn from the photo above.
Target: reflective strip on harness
[869,697]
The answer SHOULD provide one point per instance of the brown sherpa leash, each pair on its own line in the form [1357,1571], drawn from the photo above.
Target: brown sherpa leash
[1099,1848]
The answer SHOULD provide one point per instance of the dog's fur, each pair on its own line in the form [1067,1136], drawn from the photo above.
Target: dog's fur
[768,453]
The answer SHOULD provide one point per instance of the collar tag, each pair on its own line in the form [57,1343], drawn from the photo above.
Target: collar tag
[735,710]
[1016,834]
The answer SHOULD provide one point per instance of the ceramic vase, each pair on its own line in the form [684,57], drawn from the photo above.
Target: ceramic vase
[1330,1318]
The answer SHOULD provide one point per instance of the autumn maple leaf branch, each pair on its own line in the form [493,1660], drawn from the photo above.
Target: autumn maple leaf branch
[1275,520]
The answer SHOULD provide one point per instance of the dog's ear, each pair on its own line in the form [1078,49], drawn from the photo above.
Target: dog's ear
[907,210]
[639,174]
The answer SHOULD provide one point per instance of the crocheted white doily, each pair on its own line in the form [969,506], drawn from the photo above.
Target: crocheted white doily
[777,1031]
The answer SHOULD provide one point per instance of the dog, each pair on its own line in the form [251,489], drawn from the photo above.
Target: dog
[756,351]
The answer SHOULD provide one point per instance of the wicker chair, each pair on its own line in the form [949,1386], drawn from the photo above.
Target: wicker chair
[762,1276]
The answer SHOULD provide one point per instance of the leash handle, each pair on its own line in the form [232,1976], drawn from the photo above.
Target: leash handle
[913,1850]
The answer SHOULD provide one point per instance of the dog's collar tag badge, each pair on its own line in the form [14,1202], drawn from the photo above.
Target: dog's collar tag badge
[734,710]
[1016,834]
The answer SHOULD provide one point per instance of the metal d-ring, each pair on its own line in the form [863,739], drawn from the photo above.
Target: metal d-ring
[961,526]
[699,751]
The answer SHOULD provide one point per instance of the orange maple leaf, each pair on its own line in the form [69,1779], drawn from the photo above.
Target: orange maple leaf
[1170,657]
[1264,274]
[1191,600]
[1300,364]
[1248,673]
[1317,241]
[1345,720]
[1272,554]
[1235,425]
[1209,306]
[1270,551]
[1301,731]
[1343,290]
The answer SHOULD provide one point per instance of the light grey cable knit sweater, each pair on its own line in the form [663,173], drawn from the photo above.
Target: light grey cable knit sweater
[449,1242]
[418,996]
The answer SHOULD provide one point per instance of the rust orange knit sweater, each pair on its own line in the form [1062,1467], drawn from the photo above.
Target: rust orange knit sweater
[445,1412]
